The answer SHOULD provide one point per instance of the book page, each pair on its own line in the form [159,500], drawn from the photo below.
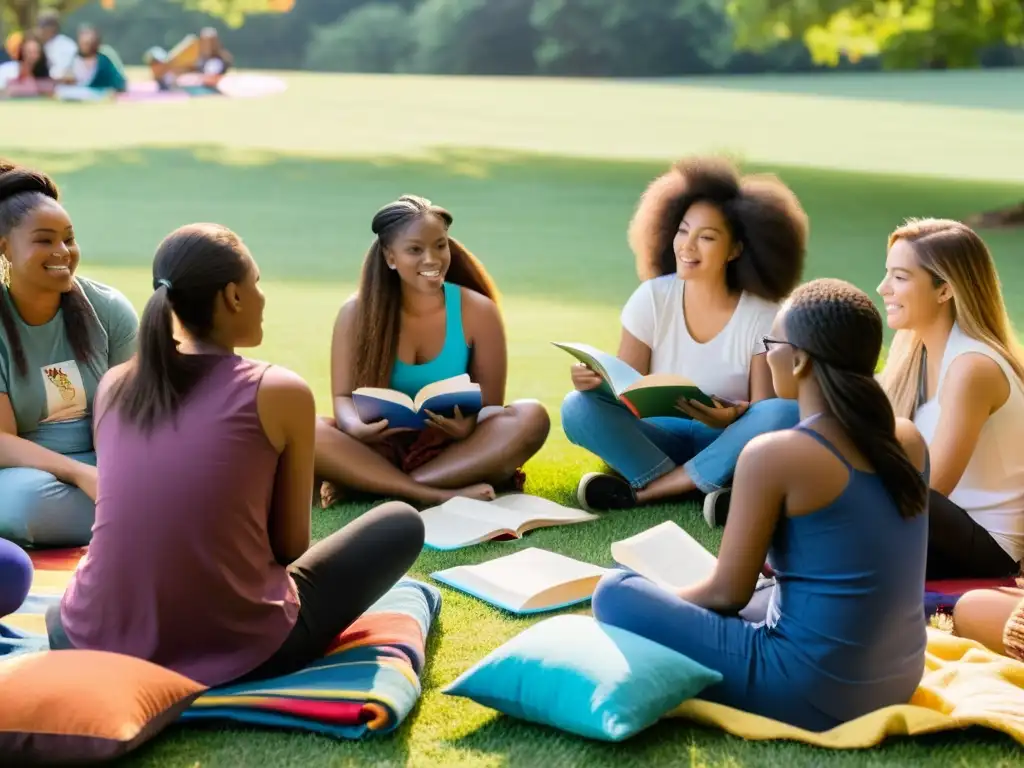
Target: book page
[460,383]
[388,395]
[529,579]
[616,373]
[460,522]
[667,555]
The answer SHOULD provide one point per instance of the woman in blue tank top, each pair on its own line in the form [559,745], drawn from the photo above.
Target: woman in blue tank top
[425,311]
[838,505]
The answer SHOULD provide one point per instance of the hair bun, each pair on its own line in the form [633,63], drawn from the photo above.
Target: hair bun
[17,180]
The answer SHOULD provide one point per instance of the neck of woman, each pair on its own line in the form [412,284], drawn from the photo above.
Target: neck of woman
[709,294]
[935,335]
[189,345]
[419,303]
[34,307]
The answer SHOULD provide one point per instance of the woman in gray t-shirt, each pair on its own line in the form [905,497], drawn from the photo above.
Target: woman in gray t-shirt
[59,333]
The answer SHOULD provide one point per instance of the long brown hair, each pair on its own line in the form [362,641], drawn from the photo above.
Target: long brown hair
[840,328]
[22,190]
[952,253]
[763,214]
[192,266]
[379,301]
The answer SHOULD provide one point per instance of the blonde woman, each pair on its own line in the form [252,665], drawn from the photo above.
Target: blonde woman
[956,369]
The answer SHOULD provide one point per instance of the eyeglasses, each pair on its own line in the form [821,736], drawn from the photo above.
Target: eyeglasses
[768,342]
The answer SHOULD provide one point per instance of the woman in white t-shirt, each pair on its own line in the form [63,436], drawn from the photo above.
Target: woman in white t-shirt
[957,370]
[717,253]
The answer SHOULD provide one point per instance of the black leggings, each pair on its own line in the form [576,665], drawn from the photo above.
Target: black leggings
[959,548]
[340,577]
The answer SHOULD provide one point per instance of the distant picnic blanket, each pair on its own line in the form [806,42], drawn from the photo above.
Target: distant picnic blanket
[964,685]
[367,683]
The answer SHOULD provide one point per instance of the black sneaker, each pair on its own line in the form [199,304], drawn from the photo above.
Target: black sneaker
[716,507]
[598,492]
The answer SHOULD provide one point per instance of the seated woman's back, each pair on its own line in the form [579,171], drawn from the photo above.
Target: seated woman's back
[849,567]
[194,519]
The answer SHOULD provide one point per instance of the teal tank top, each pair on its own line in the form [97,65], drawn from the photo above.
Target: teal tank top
[454,357]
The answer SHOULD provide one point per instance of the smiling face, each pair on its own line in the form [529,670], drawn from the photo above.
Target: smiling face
[88,42]
[42,250]
[31,52]
[912,298]
[703,245]
[420,253]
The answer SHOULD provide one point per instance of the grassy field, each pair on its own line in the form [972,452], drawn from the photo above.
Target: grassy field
[542,176]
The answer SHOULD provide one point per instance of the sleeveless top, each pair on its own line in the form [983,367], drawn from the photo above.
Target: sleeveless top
[180,570]
[453,359]
[846,618]
[991,489]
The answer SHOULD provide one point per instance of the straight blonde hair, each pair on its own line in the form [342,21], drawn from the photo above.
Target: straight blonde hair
[952,253]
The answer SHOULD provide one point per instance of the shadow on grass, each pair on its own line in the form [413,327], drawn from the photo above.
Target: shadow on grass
[546,227]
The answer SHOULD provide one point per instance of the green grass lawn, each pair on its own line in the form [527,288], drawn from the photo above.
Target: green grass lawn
[300,175]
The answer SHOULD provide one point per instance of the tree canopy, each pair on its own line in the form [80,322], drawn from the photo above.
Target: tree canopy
[903,33]
[23,13]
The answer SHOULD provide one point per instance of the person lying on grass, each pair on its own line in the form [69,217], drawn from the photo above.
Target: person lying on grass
[956,368]
[201,559]
[716,253]
[425,311]
[839,507]
[59,333]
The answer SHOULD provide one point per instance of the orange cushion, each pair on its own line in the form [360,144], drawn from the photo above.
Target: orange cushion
[84,706]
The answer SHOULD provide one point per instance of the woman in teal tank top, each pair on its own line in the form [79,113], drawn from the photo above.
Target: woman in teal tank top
[425,311]
[839,507]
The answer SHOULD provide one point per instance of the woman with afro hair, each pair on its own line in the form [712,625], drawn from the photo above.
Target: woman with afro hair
[716,253]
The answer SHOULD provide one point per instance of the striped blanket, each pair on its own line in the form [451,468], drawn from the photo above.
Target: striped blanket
[367,683]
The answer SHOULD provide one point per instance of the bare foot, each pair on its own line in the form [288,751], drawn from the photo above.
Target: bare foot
[480,491]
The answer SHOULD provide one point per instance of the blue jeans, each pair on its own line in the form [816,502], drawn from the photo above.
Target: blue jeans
[642,450]
[38,510]
[15,577]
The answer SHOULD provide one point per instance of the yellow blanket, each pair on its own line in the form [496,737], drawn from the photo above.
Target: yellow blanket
[964,684]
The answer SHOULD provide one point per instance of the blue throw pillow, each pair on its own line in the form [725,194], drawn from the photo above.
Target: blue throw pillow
[581,676]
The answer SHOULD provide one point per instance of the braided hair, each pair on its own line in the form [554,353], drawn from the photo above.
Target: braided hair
[838,326]
[22,190]
[762,214]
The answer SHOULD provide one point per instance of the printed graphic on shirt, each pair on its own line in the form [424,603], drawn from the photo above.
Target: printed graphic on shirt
[65,392]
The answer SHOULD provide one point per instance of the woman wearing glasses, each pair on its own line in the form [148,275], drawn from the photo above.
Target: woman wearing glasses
[716,252]
[838,507]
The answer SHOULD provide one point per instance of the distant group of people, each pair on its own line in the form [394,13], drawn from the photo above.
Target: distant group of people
[193,468]
[46,62]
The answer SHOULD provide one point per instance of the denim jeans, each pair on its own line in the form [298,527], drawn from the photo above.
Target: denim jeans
[38,510]
[642,450]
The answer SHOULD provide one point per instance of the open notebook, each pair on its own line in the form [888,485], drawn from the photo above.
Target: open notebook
[529,581]
[461,522]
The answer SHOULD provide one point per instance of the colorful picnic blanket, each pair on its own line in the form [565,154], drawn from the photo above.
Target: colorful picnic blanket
[367,683]
[964,684]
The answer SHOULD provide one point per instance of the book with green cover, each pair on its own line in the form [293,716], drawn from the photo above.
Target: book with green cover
[653,395]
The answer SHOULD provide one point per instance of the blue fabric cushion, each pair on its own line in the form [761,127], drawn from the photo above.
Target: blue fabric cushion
[581,676]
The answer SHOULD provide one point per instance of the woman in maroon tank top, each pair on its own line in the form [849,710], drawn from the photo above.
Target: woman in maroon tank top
[200,559]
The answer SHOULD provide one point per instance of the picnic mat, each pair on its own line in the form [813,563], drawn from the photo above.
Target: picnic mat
[368,681]
[242,85]
[964,685]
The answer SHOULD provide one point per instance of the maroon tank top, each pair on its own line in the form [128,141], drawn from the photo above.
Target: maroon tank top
[180,570]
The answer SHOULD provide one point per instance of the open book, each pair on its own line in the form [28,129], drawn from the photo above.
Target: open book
[401,411]
[529,581]
[668,556]
[461,522]
[653,395]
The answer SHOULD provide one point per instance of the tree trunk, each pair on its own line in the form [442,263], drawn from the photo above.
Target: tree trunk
[1011,216]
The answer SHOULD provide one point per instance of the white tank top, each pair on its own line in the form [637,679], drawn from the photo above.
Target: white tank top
[991,490]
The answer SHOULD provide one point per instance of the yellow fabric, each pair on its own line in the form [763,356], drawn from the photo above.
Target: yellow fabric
[964,684]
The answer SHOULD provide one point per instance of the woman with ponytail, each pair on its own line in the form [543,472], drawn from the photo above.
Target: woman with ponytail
[59,333]
[838,506]
[201,559]
[426,311]
[956,368]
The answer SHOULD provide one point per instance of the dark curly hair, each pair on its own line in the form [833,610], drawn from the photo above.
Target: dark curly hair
[22,190]
[840,328]
[762,213]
